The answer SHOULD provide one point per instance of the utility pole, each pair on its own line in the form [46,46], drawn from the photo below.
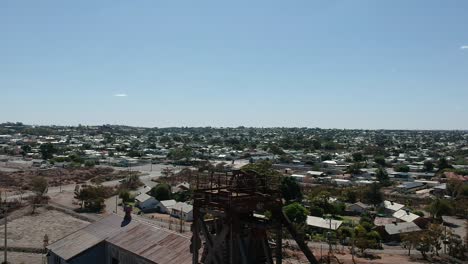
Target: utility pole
[116,202]
[445,240]
[6,221]
[352,249]
[181,221]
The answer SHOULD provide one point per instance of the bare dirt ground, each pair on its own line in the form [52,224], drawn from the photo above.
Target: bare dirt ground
[385,259]
[24,258]
[65,198]
[29,230]
[60,176]
[299,258]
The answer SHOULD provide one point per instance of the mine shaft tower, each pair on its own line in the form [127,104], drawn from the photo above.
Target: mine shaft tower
[225,226]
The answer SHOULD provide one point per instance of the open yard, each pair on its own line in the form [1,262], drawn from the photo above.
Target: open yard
[29,230]
[24,258]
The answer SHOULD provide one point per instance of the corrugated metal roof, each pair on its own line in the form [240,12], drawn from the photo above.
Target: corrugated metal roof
[405,216]
[410,185]
[168,203]
[184,207]
[400,228]
[154,244]
[149,242]
[143,197]
[323,223]
[89,236]
[392,205]
[381,221]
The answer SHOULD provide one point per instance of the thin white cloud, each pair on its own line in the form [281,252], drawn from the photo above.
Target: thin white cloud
[120,95]
[464,47]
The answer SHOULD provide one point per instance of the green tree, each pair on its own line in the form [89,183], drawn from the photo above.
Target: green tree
[275,149]
[402,168]
[92,197]
[25,149]
[380,160]
[443,164]
[322,200]
[316,210]
[131,182]
[440,207]
[436,236]
[184,153]
[456,248]
[296,213]
[424,243]
[350,195]
[428,166]
[382,176]
[161,192]
[263,170]
[125,196]
[47,150]
[409,241]
[290,189]
[90,163]
[326,156]
[358,157]
[373,194]
[39,187]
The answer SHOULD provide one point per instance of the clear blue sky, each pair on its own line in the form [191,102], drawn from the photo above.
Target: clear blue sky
[330,64]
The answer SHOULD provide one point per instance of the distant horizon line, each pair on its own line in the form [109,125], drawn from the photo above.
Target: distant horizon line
[238,126]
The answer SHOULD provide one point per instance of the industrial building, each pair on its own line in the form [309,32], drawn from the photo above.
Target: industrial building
[113,240]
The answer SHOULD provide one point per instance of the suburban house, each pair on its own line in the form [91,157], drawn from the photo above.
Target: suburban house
[439,190]
[111,240]
[298,177]
[392,232]
[358,208]
[146,202]
[183,211]
[316,173]
[342,182]
[382,221]
[165,206]
[181,187]
[322,223]
[409,187]
[405,216]
[391,207]
[400,176]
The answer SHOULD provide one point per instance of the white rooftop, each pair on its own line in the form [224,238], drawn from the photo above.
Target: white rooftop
[183,207]
[315,173]
[323,223]
[143,197]
[168,203]
[405,216]
[392,205]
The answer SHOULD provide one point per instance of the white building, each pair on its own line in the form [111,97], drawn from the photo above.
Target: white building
[146,202]
[405,216]
[165,206]
[319,222]
[391,207]
[183,211]
[358,207]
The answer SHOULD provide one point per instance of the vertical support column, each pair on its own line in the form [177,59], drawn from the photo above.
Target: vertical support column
[279,243]
[195,235]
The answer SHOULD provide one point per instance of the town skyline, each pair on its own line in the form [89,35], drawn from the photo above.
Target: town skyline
[317,64]
[231,127]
